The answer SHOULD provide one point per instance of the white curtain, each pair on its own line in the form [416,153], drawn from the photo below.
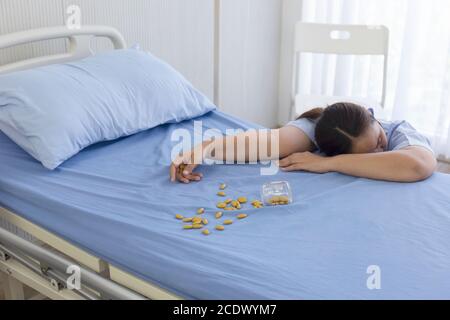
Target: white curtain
[418,84]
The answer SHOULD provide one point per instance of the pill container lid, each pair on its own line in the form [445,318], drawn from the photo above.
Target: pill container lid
[276,188]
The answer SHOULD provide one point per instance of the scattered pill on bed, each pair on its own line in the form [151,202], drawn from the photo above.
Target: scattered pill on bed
[221,194]
[235,203]
[201,211]
[205,221]
[187,220]
[220,228]
[241,216]
[206,232]
[219,215]
[242,200]
[223,186]
[188,227]
[228,222]
[228,201]
[221,205]
[257,204]
[196,220]
[197,226]
[179,217]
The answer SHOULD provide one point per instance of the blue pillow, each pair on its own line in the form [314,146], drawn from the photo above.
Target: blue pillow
[55,111]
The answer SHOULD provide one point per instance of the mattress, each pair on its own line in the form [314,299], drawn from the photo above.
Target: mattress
[115,200]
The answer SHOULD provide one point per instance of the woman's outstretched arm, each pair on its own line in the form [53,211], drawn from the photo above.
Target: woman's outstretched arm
[410,164]
[241,148]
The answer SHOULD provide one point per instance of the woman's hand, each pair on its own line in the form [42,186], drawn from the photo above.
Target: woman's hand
[410,164]
[182,168]
[305,161]
[182,171]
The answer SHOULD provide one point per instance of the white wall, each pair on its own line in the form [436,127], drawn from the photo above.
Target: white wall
[182,33]
[250,31]
[292,12]
[179,31]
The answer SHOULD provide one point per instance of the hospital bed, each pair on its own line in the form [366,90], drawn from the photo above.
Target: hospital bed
[111,210]
[15,264]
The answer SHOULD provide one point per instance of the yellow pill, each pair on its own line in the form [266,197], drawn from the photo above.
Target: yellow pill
[242,216]
[220,228]
[242,200]
[221,194]
[196,220]
[188,227]
[187,220]
[235,203]
[223,186]
[221,205]
[205,221]
[201,211]
[284,199]
[219,215]
[206,232]
[274,199]
[197,226]
[228,222]
[179,217]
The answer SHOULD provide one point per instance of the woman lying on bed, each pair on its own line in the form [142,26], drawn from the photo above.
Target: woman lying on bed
[351,141]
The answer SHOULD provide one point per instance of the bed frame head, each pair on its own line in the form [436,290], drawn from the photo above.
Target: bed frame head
[79,44]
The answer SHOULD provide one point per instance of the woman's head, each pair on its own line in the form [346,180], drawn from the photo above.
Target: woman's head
[347,128]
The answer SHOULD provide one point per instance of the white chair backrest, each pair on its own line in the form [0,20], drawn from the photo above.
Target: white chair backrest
[79,44]
[341,39]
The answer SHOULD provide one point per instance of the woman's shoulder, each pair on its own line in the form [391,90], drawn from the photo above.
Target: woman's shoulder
[308,126]
[402,134]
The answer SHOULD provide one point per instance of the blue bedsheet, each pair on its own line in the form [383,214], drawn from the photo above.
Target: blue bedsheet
[115,200]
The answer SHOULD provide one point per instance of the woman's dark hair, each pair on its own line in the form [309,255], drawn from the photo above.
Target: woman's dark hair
[337,125]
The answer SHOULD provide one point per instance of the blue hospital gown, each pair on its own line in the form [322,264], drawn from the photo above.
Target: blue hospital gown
[400,134]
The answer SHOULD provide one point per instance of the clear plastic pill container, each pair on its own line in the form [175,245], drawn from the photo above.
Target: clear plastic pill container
[276,193]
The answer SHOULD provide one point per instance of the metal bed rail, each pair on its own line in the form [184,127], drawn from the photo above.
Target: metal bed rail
[54,267]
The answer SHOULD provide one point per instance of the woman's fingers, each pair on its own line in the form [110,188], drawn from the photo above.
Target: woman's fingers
[186,175]
[196,176]
[173,172]
[188,169]
[294,167]
[182,178]
[286,162]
